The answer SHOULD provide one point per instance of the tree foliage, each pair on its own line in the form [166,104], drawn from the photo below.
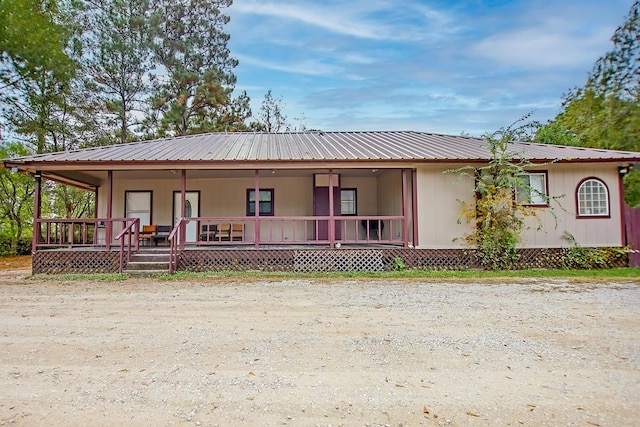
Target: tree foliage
[605,112]
[195,79]
[498,218]
[16,201]
[118,36]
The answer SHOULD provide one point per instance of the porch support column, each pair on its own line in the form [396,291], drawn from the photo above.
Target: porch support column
[183,207]
[256,207]
[405,210]
[332,222]
[109,225]
[414,206]
[37,202]
[622,171]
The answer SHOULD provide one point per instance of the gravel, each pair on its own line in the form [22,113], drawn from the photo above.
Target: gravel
[318,352]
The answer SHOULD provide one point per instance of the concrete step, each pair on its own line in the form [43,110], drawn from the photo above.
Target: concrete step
[145,257]
[147,265]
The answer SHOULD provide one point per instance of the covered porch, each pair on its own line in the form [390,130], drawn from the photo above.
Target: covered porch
[214,209]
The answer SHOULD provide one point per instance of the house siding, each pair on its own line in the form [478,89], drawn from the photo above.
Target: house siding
[438,207]
[589,232]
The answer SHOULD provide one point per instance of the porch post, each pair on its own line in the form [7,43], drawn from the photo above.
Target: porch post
[622,171]
[332,223]
[256,207]
[183,207]
[36,211]
[109,225]
[414,205]
[405,209]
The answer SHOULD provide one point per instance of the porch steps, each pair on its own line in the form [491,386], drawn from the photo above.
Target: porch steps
[148,262]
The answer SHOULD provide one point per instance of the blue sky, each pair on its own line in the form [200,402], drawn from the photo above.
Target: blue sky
[434,66]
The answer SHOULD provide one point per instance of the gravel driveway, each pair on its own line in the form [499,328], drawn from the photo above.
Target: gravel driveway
[318,352]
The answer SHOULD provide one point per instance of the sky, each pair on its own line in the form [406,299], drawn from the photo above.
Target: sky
[441,66]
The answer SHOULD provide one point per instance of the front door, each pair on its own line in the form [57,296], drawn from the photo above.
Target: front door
[321,208]
[191,209]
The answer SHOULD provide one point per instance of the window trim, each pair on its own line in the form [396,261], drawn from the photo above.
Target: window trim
[150,192]
[355,201]
[545,204]
[577,198]
[250,203]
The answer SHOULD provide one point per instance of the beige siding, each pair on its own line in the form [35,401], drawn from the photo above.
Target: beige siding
[563,184]
[438,208]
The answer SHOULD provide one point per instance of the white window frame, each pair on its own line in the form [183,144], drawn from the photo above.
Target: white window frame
[348,205]
[531,194]
[591,203]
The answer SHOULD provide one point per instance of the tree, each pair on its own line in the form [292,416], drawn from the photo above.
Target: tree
[38,90]
[605,113]
[195,79]
[498,218]
[16,200]
[118,37]
[31,40]
[271,117]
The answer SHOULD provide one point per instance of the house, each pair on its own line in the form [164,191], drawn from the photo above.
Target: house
[310,200]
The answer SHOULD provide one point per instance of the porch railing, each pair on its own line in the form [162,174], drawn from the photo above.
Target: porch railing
[174,239]
[77,232]
[285,230]
[129,240]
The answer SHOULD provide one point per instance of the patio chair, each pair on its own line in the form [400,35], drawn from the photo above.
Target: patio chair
[237,232]
[208,233]
[162,234]
[147,233]
[224,232]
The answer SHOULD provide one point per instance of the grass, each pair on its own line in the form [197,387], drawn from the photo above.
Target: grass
[610,274]
[24,262]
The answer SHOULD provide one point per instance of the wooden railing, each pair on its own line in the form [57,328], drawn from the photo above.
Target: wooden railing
[175,243]
[127,246]
[77,232]
[284,230]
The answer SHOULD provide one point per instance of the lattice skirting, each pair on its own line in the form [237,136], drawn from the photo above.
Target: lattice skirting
[84,262]
[318,260]
[302,260]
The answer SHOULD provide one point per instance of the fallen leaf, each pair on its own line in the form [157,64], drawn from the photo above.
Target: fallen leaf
[472,414]
[251,373]
[124,370]
[425,410]
[591,423]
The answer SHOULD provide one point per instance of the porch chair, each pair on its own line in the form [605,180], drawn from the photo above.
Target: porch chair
[162,234]
[147,233]
[224,232]
[208,232]
[237,232]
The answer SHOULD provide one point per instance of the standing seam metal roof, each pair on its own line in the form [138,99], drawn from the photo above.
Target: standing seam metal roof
[321,146]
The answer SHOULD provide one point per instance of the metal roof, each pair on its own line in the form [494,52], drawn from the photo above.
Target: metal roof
[315,147]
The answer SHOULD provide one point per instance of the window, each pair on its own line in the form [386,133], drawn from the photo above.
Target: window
[348,201]
[533,189]
[137,204]
[265,202]
[593,198]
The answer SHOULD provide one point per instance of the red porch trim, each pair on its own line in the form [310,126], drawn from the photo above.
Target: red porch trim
[37,200]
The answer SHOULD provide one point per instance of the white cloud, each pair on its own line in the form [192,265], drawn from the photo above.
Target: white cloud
[540,48]
[307,67]
[357,18]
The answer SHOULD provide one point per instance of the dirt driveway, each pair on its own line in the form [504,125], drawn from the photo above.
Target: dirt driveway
[315,352]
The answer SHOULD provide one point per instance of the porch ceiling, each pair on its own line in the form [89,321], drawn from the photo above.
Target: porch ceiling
[96,178]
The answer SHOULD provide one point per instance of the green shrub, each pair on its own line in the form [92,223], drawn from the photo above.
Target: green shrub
[23,248]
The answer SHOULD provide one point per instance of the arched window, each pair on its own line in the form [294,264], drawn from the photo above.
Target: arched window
[592,198]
